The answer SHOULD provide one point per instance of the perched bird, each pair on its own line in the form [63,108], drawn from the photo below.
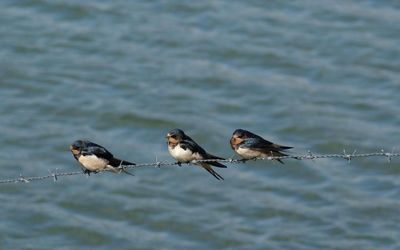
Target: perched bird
[251,146]
[184,149]
[95,158]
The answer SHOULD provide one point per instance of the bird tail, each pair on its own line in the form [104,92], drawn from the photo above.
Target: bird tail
[127,163]
[209,169]
[118,166]
[277,153]
[214,163]
[117,163]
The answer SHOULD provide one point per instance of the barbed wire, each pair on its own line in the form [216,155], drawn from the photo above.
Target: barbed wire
[309,156]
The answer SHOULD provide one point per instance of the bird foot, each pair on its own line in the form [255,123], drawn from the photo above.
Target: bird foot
[87,172]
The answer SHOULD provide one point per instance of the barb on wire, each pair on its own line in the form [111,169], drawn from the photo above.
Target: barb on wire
[158,164]
[309,156]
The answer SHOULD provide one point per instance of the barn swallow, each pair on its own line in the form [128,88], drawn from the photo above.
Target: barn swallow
[251,146]
[184,149]
[95,158]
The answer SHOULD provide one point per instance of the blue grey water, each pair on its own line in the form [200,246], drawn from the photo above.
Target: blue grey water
[316,75]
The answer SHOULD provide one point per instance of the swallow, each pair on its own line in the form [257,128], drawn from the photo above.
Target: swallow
[95,158]
[251,146]
[184,149]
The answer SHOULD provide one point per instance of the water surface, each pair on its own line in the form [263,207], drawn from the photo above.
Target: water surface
[315,75]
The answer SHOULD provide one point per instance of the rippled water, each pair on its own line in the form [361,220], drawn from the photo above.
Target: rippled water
[317,75]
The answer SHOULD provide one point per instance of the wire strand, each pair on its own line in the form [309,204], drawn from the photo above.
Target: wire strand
[55,175]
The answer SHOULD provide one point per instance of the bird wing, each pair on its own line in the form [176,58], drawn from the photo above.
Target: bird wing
[99,151]
[192,146]
[263,145]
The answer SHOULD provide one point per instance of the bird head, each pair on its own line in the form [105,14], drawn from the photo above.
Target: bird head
[76,147]
[238,136]
[175,136]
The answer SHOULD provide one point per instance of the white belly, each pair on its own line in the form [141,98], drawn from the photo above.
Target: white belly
[248,153]
[93,163]
[182,155]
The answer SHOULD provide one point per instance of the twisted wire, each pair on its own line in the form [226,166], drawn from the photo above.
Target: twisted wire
[309,156]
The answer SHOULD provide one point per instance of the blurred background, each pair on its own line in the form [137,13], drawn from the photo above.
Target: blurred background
[316,75]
